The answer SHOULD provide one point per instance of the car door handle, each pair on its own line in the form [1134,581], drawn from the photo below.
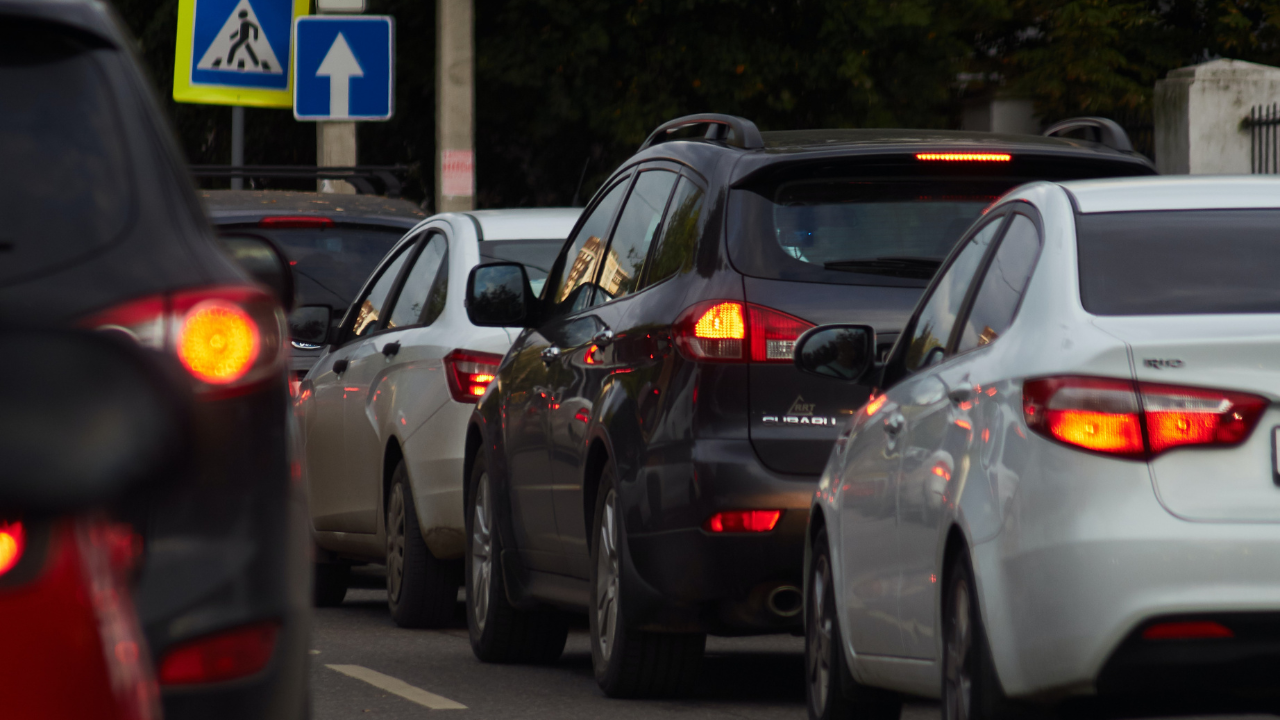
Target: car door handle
[340,366]
[550,353]
[894,424]
[602,338]
[961,395]
[390,349]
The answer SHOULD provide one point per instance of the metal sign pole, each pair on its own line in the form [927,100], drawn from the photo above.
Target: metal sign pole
[237,145]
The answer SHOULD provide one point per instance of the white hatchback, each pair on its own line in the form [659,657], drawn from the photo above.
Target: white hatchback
[1068,489]
[383,412]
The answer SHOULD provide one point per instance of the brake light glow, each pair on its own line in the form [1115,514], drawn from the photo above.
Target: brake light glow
[469,373]
[1137,420]
[225,656]
[742,521]
[295,222]
[731,331]
[964,157]
[1188,630]
[218,342]
[13,539]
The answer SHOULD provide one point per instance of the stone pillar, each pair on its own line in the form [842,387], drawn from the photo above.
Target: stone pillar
[336,147]
[1199,112]
[1001,115]
[455,106]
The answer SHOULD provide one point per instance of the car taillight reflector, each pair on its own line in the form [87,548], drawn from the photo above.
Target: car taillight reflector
[739,521]
[13,539]
[469,373]
[964,157]
[225,656]
[217,342]
[731,331]
[295,222]
[1187,630]
[1137,420]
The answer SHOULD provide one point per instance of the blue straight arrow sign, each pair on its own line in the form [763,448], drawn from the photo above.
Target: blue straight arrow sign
[344,68]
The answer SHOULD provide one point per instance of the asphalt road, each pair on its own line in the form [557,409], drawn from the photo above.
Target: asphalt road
[756,678]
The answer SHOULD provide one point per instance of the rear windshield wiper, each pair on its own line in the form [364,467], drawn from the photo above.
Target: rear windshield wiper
[910,267]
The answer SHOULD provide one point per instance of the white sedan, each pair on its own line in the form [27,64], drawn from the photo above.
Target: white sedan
[383,412]
[1068,489]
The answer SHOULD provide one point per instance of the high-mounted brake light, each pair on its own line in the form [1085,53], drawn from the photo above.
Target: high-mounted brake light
[1137,420]
[225,656]
[469,373]
[13,540]
[964,157]
[742,521]
[732,331]
[295,222]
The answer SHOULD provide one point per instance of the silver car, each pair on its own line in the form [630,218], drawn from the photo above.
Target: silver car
[1067,491]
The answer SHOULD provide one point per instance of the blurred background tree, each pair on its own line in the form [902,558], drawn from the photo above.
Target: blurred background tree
[567,89]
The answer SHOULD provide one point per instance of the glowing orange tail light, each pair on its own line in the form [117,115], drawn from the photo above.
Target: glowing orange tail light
[469,373]
[740,521]
[721,322]
[964,157]
[13,539]
[218,342]
[732,331]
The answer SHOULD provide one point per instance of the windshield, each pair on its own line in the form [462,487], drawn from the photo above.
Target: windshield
[537,256]
[330,265]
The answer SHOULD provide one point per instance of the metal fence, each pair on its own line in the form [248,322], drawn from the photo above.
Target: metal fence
[1264,158]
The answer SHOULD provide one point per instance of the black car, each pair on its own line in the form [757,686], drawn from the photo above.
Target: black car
[333,242]
[102,230]
[647,451]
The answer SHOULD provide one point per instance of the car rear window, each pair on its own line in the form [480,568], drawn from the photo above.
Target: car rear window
[331,264]
[64,189]
[537,256]
[1188,262]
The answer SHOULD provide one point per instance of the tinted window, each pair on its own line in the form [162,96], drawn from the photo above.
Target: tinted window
[929,337]
[1180,263]
[420,295]
[636,227]
[330,265]
[680,233]
[371,307]
[537,256]
[1003,285]
[578,265]
[64,185]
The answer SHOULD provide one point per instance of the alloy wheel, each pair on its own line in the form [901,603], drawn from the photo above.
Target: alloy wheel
[607,577]
[481,552]
[395,542]
[818,647]
[958,682]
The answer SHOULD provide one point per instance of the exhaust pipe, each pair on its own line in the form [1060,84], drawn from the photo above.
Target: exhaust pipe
[785,601]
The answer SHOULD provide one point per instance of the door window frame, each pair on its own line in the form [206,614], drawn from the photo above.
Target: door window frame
[558,267]
[1028,211]
[411,245]
[422,239]
[613,229]
[697,181]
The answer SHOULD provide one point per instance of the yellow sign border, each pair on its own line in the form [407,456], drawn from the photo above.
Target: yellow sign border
[185,91]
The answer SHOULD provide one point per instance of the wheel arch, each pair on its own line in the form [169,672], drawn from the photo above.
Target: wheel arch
[597,457]
[392,455]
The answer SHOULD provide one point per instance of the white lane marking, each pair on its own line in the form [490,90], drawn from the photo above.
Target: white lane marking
[398,687]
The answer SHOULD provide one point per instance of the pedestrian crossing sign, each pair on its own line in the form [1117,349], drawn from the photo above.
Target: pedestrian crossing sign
[236,52]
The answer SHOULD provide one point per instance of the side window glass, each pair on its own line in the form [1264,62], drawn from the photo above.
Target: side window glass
[371,306]
[636,227]
[418,284]
[680,232]
[1002,287]
[578,265]
[928,343]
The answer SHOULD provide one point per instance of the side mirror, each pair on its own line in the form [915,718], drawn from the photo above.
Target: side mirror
[499,295]
[94,417]
[264,262]
[309,325]
[841,352]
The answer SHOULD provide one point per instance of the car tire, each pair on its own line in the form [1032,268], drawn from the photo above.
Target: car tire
[630,662]
[970,687]
[499,632]
[329,583]
[830,688]
[422,590]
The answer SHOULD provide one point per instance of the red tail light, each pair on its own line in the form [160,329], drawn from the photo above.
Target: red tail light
[217,658]
[469,373]
[742,521]
[295,222]
[226,337]
[13,540]
[1187,630]
[731,331]
[1137,420]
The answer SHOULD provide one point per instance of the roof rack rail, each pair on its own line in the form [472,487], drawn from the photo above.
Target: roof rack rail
[362,177]
[728,129]
[1103,131]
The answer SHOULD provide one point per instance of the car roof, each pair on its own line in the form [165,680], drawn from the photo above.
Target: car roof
[234,207]
[526,223]
[878,138]
[1185,192]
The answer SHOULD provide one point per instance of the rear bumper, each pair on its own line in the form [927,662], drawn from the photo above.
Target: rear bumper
[684,578]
